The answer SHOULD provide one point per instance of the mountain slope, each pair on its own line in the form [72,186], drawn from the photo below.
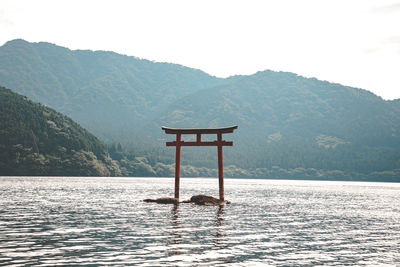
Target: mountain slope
[36,140]
[103,91]
[290,121]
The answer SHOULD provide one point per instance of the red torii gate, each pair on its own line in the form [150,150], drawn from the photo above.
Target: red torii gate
[198,132]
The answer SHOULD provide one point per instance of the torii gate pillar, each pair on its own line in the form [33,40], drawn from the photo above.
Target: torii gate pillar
[198,132]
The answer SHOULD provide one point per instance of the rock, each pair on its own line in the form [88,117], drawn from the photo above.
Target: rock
[206,200]
[163,200]
[198,200]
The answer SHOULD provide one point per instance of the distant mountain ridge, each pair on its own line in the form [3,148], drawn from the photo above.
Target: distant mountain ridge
[101,90]
[289,126]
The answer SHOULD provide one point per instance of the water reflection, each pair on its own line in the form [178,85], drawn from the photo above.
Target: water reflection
[175,238]
[175,215]
[220,218]
[195,228]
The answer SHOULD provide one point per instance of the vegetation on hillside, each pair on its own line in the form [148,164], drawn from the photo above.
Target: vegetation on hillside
[36,140]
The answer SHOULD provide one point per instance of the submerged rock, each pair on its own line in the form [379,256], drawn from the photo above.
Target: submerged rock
[198,200]
[206,200]
[163,200]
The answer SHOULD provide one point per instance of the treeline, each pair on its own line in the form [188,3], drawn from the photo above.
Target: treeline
[160,162]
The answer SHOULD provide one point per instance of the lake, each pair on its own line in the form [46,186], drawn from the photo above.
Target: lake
[48,221]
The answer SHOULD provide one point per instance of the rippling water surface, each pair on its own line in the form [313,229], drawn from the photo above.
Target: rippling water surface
[102,221]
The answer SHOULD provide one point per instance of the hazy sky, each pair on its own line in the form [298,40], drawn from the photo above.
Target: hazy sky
[352,42]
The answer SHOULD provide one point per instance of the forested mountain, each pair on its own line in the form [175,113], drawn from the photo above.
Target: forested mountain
[36,140]
[289,126]
[109,94]
[290,122]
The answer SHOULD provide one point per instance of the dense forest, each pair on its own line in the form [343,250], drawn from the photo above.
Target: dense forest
[36,140]
[289,126]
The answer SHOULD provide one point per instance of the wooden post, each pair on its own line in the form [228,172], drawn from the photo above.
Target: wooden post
[177,164]
[220,168]
[198,138]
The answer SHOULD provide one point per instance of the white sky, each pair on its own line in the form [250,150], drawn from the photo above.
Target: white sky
[352,42]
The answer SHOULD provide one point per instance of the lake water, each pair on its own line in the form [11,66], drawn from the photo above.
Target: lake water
[102,221]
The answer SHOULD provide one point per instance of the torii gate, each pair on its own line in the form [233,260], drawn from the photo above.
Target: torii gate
[198,132]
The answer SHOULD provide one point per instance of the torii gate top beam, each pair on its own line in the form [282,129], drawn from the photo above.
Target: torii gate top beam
[199,132]
[168,130]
